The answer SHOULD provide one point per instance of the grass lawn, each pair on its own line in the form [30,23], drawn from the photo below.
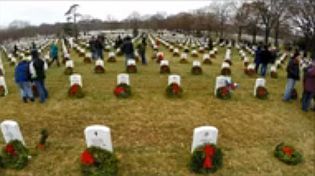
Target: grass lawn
[151,133]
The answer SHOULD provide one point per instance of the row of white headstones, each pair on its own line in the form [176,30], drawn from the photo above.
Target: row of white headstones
[123,78]
[100,135]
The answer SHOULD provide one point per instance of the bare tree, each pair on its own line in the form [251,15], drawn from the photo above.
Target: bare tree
[72,14]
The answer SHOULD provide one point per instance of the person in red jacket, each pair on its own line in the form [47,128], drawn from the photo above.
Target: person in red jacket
[309,86]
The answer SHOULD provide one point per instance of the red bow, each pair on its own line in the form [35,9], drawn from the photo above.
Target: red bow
[209,152]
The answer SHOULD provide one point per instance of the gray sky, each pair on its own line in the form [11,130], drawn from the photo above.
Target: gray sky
[37,12]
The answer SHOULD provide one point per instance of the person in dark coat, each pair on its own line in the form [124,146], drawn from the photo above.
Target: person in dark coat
[308,86]
[127,49]
[141,49]
[37,69]
[293,74]
[257,58]
[118,42]
[92,47]
[210,44]
[99,47]
[265,59]
[23,80]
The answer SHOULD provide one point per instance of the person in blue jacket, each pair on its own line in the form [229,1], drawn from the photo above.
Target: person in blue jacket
[23,80]
[54,53]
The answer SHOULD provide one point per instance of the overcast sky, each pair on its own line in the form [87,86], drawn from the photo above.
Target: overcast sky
[37,12]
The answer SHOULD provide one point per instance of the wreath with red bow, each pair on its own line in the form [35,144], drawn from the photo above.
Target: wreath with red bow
[196,70]
[14,155]
[99,69]
[165,69]
[226,71]
[131,69]
[96,161]
[75,91]
[122,91]
[206,159]
[68,71]
[288,154]
[224,93]
[207,61]
[2,91]
[174,90]
[261,93]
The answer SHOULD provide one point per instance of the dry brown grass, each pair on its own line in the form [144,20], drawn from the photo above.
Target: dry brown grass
[152,134]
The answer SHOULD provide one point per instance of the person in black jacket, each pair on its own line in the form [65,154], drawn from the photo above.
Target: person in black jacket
[37,69]
[293,73]
[265,59]
[127,49]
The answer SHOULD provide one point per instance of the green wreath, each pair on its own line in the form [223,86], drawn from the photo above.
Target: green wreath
[14,155]
[68,71]
[75,91]
[196,70]
[199,162]
[2,91]
[122,91]
[262,93]
[174,90]
[224,93]
[98,162]
[288,154]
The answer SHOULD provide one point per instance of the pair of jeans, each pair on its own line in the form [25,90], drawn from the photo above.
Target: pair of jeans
[257,64]
[26,89]
[42,91]
[288,89]
[99,53]
[306,100]
[263,69]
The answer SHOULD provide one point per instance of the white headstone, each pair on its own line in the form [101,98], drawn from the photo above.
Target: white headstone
[164,62]
[76,79]
[204,135]
[221,81]
[69,64]
[11,131]
[98,136]
[88,55]
[184,56]
[131,62]
[173,79]
[273,68]
[99,62]
[251,66]
[206,56]
[176,50]
[112,54]
[259,82]
[123,78]
[225,65]
[196,64]
[2,83]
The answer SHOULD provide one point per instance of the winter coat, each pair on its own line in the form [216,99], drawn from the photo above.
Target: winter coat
[258,56]
[265,56]
[309,79]
[37,69]
[127,47]
[293,69]
[53,51]
[22,72]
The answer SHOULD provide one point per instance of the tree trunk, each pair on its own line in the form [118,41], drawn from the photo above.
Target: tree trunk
[239,37]
[267,33]
[254,35]
[277,31]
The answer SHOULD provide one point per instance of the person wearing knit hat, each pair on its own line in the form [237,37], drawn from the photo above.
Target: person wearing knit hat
[23,79]
[308,85]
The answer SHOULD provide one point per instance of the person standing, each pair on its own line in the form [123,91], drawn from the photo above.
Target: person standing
[141,49]
[99,47]
[257,58]
[54,54]
[23,80]
[37,70]
[308,86]
[127,49]
[92,47]
[293,74]
[265,59]
[118,42]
